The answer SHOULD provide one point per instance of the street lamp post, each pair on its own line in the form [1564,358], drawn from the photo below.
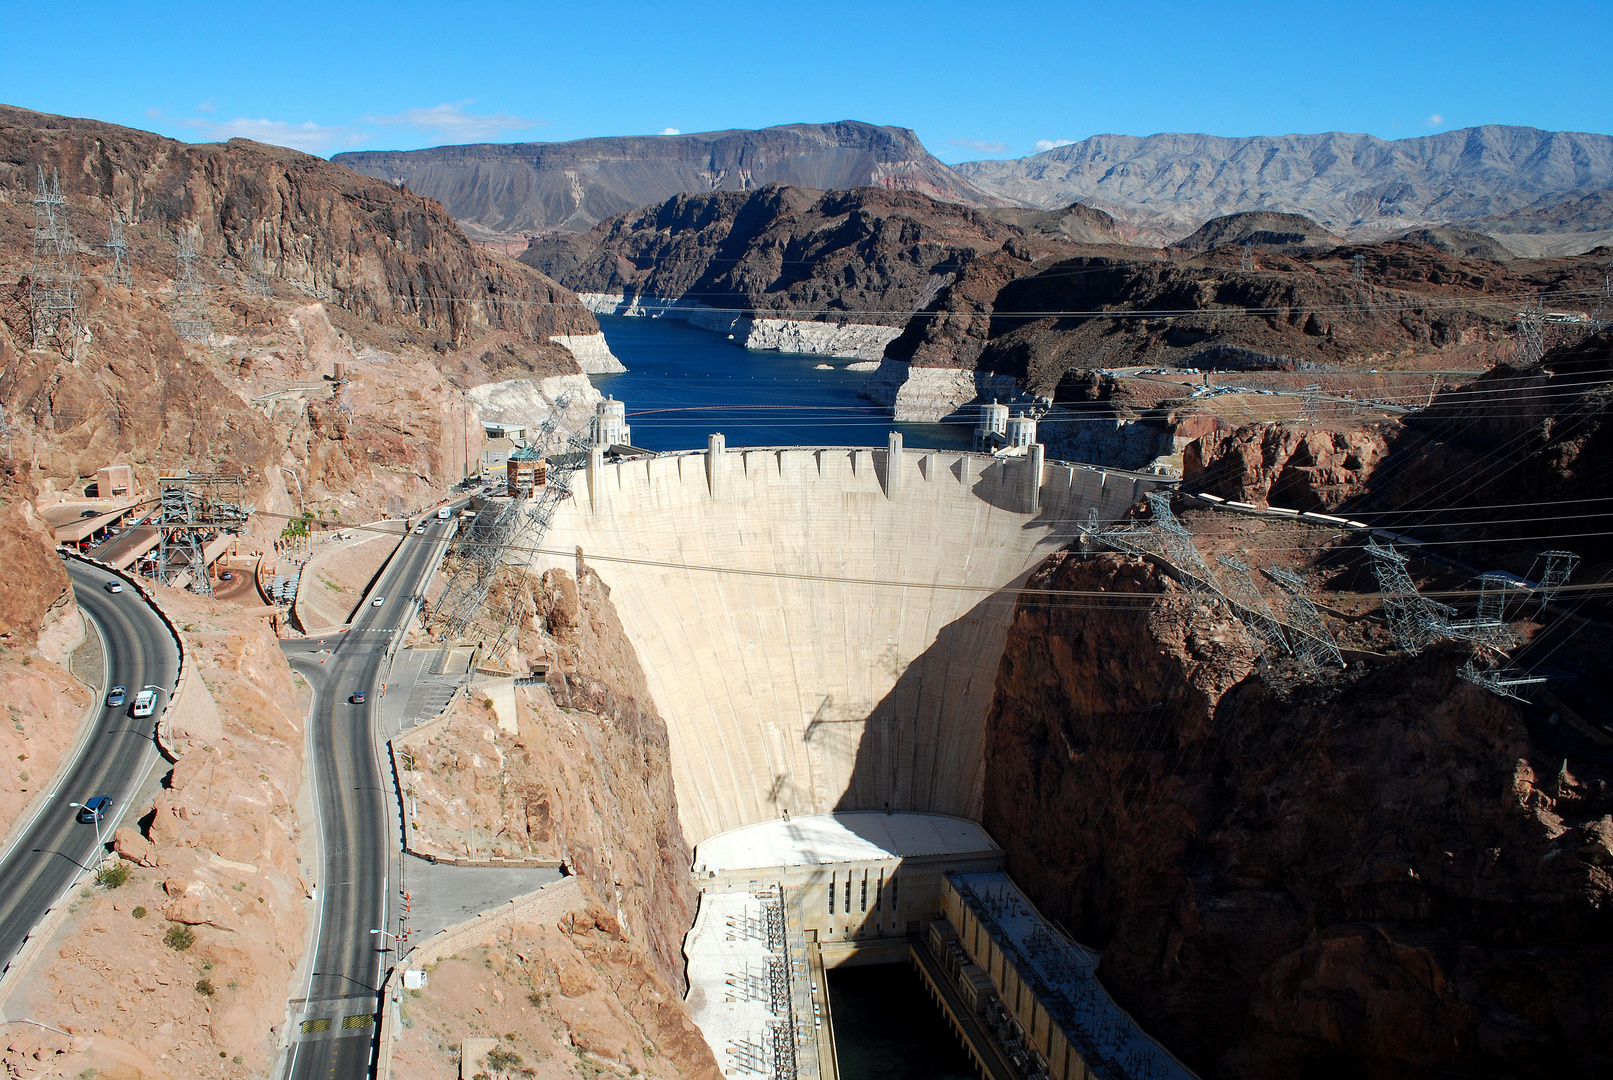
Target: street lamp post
[100,841]
[384,934]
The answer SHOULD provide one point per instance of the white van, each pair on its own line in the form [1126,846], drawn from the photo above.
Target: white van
[144,703]
[446,512]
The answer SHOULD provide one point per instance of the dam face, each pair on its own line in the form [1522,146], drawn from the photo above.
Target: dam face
[821,627]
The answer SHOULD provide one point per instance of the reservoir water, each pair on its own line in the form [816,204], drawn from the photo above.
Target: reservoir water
[682,384]
[887,1029]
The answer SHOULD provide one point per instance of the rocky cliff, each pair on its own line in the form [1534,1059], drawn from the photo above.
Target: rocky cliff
[571,186]
[585,777]
[361,245]
[1379,873]
[39,626]
[1113,311]
[867,254]
[1300,468]
[1168,185]
[344,313]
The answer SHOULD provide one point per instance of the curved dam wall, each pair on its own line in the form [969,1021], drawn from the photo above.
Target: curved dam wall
[821,627]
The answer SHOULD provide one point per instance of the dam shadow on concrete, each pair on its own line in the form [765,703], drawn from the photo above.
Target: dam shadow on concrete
[908,757]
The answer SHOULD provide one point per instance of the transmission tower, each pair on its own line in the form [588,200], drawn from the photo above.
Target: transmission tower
[1247,260]
[1499,680]
[1413,619]
[486,541]
[195,509]
[1488,627]
[1603,315]
[189,315]
[118,248]
[1310,401]
[53,276]
[1531,344]
[1559,565]
[257,276]
[5,430]
[1240,589]
[1178,543]
[1313,642]
[1358,267]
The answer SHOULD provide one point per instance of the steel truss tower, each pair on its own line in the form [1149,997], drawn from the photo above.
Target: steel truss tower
[119,273]
[195,508]
[53,278]
[189,316]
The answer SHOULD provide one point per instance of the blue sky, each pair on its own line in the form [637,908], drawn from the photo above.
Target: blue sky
[974,80]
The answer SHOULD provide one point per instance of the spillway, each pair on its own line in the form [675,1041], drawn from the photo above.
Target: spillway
[821,626]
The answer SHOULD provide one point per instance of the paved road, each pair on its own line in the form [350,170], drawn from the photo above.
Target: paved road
[335,1035]
[113,761]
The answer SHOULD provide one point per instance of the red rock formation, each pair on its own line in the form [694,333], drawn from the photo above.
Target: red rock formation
[358,243]
[1302,468]
[1380,874]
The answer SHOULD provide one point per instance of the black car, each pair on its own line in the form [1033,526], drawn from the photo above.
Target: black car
[93,809]
[117,697]
[357,698]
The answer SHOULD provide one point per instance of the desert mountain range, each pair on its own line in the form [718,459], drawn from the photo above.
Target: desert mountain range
[1540,192]
[571,186]
[1526,184]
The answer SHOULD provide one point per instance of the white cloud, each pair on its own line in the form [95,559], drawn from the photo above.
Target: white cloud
[1434,121]
[979,145]
[671,131]
[207,107]
[453,123]
[1052,144]
[309,137]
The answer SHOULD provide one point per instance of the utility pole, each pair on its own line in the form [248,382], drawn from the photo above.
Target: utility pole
[1247,261]
[1358,267]
[53,276]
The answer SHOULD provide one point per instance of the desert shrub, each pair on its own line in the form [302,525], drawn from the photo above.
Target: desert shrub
[502,1059]
[204,986]
[139,912]
[179,937]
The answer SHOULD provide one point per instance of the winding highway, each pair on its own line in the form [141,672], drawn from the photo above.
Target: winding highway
[334,1036]
[54,849]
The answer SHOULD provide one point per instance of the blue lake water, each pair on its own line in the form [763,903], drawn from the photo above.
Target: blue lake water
[682,384]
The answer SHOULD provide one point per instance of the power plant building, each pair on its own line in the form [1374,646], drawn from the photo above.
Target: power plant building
[525,470]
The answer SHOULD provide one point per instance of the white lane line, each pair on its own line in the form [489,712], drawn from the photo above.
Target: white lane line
[312,957]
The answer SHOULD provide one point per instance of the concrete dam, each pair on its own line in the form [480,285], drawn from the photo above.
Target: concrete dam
[821,627]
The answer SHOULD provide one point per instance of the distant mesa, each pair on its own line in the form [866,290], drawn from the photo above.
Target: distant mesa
[1285,234]
[502,189]
[1464,242]
[1076,223]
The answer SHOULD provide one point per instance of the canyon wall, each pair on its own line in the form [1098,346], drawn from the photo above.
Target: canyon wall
[1378,872]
